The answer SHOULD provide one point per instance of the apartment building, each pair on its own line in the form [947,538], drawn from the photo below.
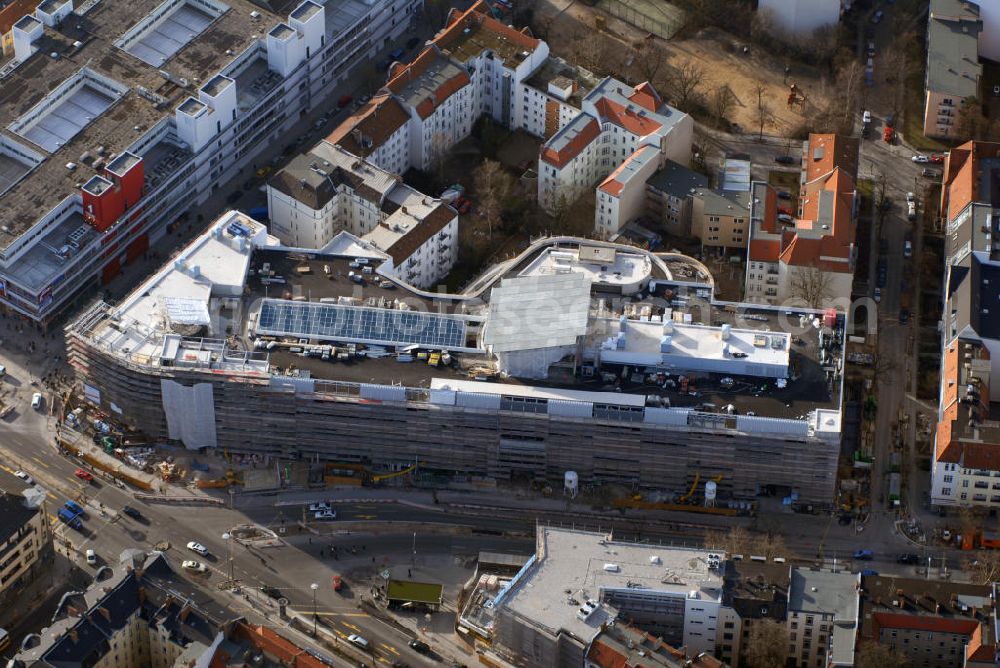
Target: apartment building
[953,68]
[801,18]
[965,470]
[668,196]
[528,319]
[806,254]
[601,146]
[553,96]
[140,616]
[721,219]
[328,190]
[622,645]
[11,13]
[25,537]
[379,132]
[190,108]
[672,593]
[822,617]
[754,590]
[931,623]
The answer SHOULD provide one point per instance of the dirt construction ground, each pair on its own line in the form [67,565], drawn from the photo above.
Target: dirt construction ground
[718,54]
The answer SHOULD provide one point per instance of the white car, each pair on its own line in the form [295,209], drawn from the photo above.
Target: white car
[326,515]
[357,640]
[317,507]
[877,295]
[36,400]
[194,566]
[907,248]
[866,117]
[910,197]
[198,547]
[91,557]
[24,477]
[920,158]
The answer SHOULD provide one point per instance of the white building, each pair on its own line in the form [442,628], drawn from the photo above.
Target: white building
[578,581]
[263,73]
[800,18]
[615,121]
[327,191]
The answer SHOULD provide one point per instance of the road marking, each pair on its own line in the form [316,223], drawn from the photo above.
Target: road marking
[351,626]
[41,462]
[365,517]
[383,659]
[390,648]
[340,634]
[53,519]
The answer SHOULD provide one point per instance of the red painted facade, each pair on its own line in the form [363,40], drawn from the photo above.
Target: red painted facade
[107,197]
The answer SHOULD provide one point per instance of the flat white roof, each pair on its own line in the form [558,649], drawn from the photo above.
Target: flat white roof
[706,342]
[624,269]
[585,564]
[554,393]
[542,311]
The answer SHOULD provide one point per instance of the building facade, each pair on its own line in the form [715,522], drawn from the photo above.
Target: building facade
[263,72]
[953,67]
[25,538]
[822,617]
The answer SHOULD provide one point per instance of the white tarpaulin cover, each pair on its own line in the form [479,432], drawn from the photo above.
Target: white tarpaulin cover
[184,311]
[190,413]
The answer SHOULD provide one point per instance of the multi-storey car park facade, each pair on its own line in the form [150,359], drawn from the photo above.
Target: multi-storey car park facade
[617,366]
[178,97]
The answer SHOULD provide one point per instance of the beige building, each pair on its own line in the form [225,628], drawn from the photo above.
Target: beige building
[822,617]
[721,218]
[25,539]
[668,196]
[953,68]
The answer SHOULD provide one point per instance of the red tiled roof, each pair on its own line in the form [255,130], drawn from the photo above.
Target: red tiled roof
[624,118]
[13,13]
[432,223]
[764,250]
[646,96]
[603,656]
[961,176]
[479,13]
[894,620]
[947,448]
[377,120]
[798,250]
[834,151]
[559,158]
[415,69]
[269,642]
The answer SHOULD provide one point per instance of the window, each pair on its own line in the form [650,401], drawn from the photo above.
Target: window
[948,478]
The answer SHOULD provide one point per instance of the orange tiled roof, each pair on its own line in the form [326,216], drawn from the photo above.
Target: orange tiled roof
[835,151]
[947,447]
[559,158]
[798,250]
[479,14]
[416,68]
[603,656]
[624,118]
[378,120]
[895,620]
[13,13]
[646,96]
[765,250]
[961,176]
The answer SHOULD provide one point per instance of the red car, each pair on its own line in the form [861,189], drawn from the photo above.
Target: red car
[83,475]
[888,134]
[337,583]
[462,205]
[937,159]
[784,210]
[344,101]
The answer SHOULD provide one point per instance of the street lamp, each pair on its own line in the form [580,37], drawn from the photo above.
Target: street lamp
[314,587]
[229,555]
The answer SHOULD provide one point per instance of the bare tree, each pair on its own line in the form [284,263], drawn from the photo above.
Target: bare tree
[493,186]
[848,84]
[769,545]
[811,284]
[767,644]
[736,540]
[591,50]
[721,103]
[649,60]
[874,655]
[764,113]
[684,81]
[438,152]
[985,568]
[973,123]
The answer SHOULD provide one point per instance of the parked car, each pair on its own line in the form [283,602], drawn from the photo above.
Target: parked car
[922,159]
[36,400]
[904,316]
[937,159]
[326,515]
[195,546]
[271,592]
[877,16]
[864,555]
[337,583]
[73,507]
[784,194]
[869,572]
[785,159]
[355,639]
[3,370]
[866,117]
[877,295]
[883,273]
[25,478]
[194,566]
[133,513]
[317,507]
[907,559]
[419,646]
[888,134]
[83,474]
[871,49]
[91,557]
[911,210]
[344,101]
[929,173]
[907,248]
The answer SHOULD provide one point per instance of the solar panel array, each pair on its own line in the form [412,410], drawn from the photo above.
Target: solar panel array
[355,323]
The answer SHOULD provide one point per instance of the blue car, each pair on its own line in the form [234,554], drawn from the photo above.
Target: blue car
[74,507]
[864,555]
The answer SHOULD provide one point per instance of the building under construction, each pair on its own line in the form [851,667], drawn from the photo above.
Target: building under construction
[576,363]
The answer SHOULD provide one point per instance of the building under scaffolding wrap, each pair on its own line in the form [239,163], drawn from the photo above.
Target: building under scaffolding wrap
[758,411]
